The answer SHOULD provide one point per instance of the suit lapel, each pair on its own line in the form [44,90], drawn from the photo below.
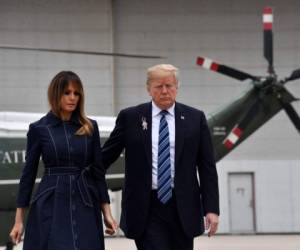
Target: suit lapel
[145,120]
[179,132]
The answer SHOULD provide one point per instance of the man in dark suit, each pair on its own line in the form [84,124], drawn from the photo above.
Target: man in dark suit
[166,143]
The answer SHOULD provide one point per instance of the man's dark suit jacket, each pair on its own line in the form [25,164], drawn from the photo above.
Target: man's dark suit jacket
[193,151]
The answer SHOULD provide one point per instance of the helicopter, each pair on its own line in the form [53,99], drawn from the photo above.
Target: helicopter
[229,127]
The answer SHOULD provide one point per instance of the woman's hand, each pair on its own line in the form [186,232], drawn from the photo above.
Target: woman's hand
[110,223]
[16,232]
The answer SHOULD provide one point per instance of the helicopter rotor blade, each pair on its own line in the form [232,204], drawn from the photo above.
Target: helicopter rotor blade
[294,76]
[292,114]
[80,52]
[237,131]
[268,37]
[223,69]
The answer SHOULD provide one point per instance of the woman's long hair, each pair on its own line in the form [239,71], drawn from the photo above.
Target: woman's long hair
[56,90]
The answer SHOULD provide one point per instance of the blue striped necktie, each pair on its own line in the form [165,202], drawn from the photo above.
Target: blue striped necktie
[164,189]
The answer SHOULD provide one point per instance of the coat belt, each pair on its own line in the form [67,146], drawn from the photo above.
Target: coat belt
[81,180]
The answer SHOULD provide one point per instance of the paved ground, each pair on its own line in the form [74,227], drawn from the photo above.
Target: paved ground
[256,242]
[253,242]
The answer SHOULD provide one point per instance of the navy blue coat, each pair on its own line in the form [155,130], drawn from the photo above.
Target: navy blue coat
[193,152]
[65,210]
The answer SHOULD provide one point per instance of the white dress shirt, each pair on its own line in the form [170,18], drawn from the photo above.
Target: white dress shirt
[170,117]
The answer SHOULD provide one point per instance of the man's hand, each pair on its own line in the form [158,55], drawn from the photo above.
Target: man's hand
[211,223]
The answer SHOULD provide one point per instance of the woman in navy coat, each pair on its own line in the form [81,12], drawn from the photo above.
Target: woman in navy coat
[65,212]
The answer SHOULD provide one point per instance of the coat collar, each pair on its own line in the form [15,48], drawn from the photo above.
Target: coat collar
[53,120]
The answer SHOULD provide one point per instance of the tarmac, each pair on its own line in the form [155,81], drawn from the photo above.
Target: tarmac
[220,242]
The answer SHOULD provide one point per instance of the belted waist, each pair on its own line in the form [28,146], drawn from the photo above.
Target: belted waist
[81,181]
[63,170]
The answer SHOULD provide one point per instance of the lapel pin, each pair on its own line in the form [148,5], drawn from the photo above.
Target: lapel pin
[182,117]
[144,123]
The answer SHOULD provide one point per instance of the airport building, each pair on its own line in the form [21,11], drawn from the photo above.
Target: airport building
[259,180]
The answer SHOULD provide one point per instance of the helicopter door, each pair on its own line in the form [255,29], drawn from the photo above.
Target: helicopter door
[241,203]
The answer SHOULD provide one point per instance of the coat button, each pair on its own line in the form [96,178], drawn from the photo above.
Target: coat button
[74,222]
[74,207]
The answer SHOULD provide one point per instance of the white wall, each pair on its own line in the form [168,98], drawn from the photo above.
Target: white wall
[276,185]
[67,24]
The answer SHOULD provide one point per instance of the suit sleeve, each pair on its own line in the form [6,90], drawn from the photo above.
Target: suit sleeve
[29,172]
[114,145]
[98,167]
[207,170]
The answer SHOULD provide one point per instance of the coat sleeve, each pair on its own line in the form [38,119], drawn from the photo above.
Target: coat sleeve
[97,166]
[114,145]
[29,172]
[207,170]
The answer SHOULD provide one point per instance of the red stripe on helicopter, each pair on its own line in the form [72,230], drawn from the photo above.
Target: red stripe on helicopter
[214,66]
[228,144]
[268,10]
[200,61]
[233,137]
[268,18]
[237,131]
[268,26]
[207,63]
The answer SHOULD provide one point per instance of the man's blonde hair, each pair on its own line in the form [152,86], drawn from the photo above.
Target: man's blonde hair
[161,70]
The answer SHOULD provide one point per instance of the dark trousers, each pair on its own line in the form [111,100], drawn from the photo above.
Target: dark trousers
[164,230]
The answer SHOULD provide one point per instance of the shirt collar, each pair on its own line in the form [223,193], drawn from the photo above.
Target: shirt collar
[156,110]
